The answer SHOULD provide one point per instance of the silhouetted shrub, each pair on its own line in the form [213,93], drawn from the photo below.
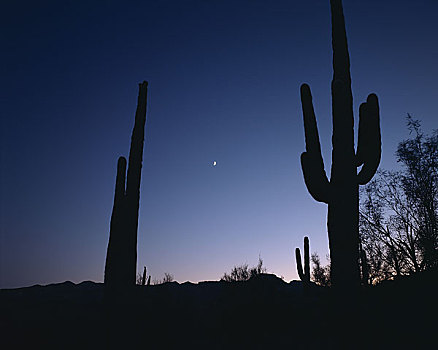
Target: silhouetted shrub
[399,211]
[167,278]
[243,272]
[139,278]
[320,274]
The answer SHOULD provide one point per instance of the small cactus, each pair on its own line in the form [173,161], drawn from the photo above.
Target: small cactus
[143,279]
[304,275]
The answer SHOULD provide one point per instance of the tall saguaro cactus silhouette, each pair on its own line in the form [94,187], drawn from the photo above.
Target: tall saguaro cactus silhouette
[121,257]
[341,193]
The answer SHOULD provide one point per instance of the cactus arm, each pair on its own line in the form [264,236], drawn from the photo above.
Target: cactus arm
[118,213]
[304,275]
[312,163]
[119,193]
[299,266]
[369,145]
[363,135]
[116,224]
[306,259]
[315,178]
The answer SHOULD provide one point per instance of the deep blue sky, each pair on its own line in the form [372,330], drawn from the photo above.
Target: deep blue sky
[224,81]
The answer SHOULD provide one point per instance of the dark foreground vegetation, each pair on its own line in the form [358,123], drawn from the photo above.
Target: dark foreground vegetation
[262,313]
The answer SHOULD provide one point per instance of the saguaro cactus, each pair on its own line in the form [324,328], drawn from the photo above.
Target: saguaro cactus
[304,275]
[121,258]
[341,193]
[143,278]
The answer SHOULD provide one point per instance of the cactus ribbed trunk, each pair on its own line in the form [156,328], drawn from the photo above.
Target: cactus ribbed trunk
[343,209]
[121,259]
[341,193]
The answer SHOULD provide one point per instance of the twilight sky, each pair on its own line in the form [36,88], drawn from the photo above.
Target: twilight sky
[224,81]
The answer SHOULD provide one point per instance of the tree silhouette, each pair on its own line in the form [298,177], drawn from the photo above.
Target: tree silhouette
[320,274]
[244,272]
[399,210]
